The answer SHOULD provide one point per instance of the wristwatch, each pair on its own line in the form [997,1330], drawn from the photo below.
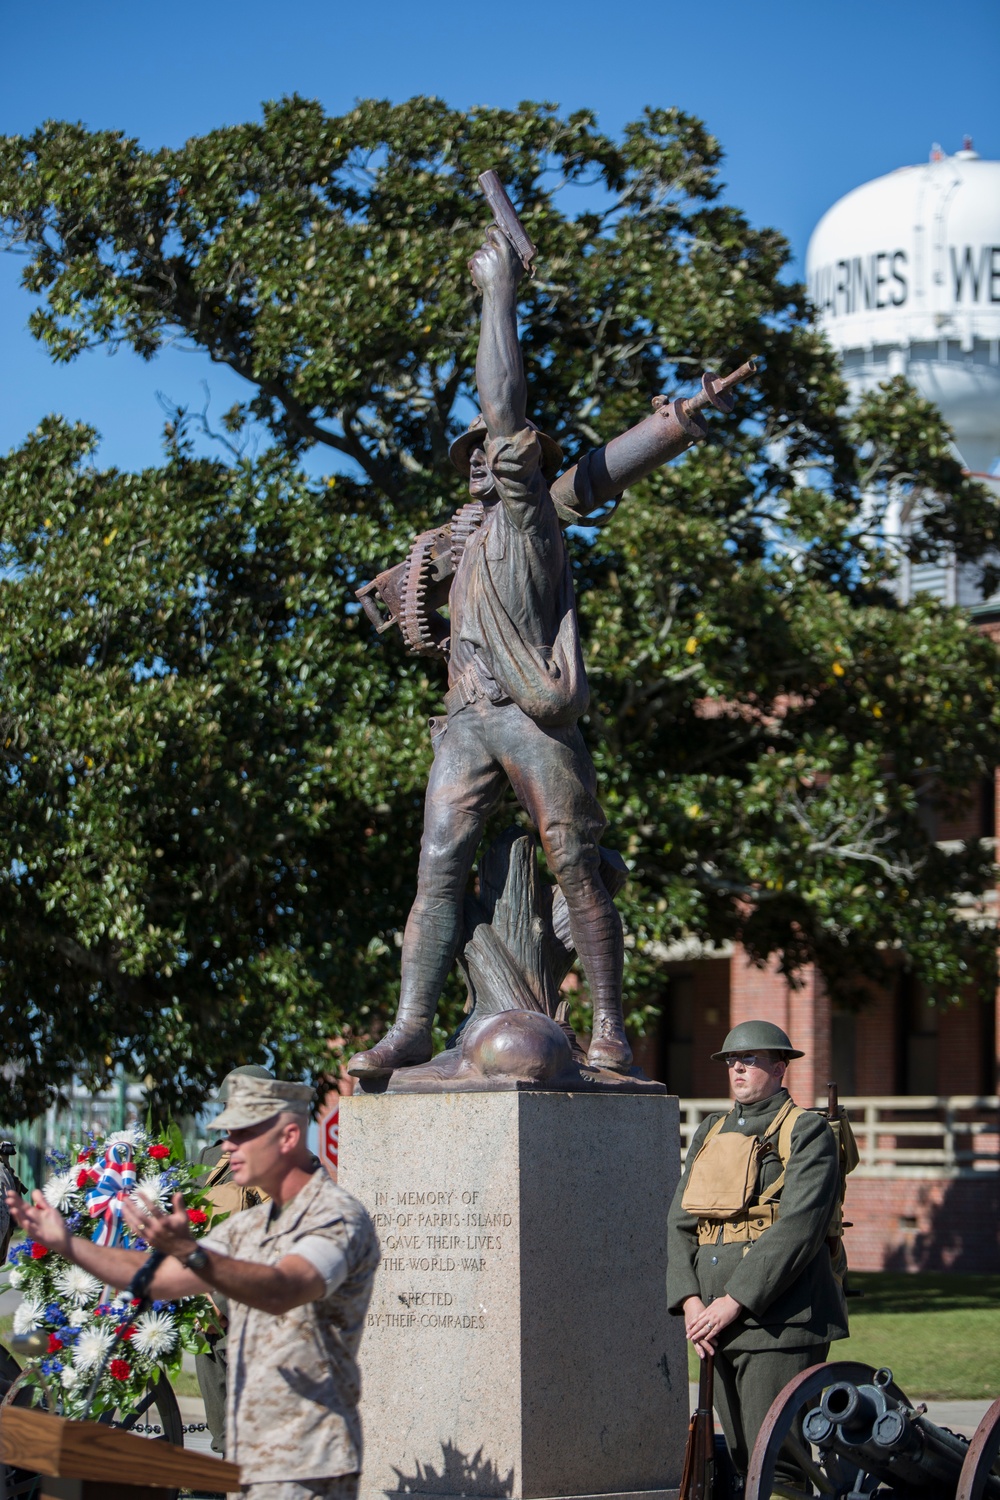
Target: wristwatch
[197,1260]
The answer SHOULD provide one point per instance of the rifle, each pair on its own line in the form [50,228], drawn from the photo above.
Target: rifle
[698,1476]
[847,1159]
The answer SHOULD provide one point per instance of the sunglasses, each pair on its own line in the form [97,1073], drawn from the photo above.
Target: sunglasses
[748,1059]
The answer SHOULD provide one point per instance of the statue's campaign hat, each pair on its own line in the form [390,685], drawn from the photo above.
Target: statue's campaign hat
[251,1101]
[756,1036]
[475,436]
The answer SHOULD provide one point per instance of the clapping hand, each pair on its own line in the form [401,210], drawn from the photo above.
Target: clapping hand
[170,1233]
[40,1221]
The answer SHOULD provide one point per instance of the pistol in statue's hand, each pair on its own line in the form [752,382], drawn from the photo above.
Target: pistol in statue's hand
[495,264]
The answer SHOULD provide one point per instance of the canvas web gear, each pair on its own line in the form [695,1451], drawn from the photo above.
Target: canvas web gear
[721,1190]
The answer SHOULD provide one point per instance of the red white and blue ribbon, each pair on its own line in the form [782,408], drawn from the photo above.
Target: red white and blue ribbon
[104,1199]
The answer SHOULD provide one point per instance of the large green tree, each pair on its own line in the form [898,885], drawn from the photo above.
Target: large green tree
[213,770]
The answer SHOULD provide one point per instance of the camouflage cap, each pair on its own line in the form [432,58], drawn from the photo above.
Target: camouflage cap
[251,1101]
[248,1070]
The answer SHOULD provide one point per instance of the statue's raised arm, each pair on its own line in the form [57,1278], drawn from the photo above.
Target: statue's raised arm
[503,394]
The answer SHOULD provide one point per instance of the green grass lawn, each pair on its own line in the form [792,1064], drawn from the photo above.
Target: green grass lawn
[939,1334]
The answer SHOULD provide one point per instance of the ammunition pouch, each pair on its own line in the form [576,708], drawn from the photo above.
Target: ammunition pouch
[474,683]
[742,1230]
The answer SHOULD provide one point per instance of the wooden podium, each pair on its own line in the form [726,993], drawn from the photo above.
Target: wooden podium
[88,1461]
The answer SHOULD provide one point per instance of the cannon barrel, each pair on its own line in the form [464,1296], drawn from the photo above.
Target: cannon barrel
[867,1426]
[851,1408]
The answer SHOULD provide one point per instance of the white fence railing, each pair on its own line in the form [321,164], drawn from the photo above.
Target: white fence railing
[904,1135]
[81,1113]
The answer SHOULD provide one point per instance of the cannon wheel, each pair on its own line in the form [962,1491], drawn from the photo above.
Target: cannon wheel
[157,1416]
[981,1459]
[830,1474]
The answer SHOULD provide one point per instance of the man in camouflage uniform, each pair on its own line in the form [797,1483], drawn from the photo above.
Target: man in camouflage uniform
[298,1274]
[762,1296]
[229,1198]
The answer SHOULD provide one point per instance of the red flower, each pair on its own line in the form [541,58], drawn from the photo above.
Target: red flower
[197,1216]
[119,1369]
[159,1153]
[126,1333]
[82,1177]
[55,1344]
[84,1156]
[38,1252]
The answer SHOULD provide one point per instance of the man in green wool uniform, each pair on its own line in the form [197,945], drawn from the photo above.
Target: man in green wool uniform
[753,1239]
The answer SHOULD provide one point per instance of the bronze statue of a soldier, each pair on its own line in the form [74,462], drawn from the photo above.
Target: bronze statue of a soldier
[516,678]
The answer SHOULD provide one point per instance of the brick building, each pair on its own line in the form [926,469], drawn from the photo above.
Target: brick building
[920,1082]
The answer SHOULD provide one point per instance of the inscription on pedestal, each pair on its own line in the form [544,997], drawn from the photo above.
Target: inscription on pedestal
[436,1244]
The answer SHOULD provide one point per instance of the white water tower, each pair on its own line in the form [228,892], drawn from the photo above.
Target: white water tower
[905,273]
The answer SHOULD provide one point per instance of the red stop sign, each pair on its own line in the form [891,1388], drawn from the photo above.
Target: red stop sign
[329,1134]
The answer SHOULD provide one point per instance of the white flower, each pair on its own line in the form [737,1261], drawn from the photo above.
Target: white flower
[155,1334]
[61,1190]
[77,1316]
[70,1376]
[28,1315]
[92,1345]
[133,1134]
[77,1286]
[153,1191]
[18,1276]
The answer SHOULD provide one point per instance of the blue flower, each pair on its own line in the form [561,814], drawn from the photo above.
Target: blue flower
[73,1222]
[55,1314]
[51,1366]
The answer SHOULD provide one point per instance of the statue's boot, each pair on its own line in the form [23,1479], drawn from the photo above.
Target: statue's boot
[609,1046]
[407,1042]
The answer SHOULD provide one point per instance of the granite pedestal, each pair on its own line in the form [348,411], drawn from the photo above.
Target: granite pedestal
[518,1342]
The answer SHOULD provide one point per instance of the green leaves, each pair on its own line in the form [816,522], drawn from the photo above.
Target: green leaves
[214,769]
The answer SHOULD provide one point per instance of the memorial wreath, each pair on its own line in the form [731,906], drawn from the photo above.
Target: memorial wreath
[83,1318]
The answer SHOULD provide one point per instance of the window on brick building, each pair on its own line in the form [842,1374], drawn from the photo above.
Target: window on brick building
[987,808]
[677,1035]
[919,1022]
[843,1050]
[988,1047]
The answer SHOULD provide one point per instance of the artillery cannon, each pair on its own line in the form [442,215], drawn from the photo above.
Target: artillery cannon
[855,1436]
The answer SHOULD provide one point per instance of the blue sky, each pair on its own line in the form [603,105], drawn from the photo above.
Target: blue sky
[808,100]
